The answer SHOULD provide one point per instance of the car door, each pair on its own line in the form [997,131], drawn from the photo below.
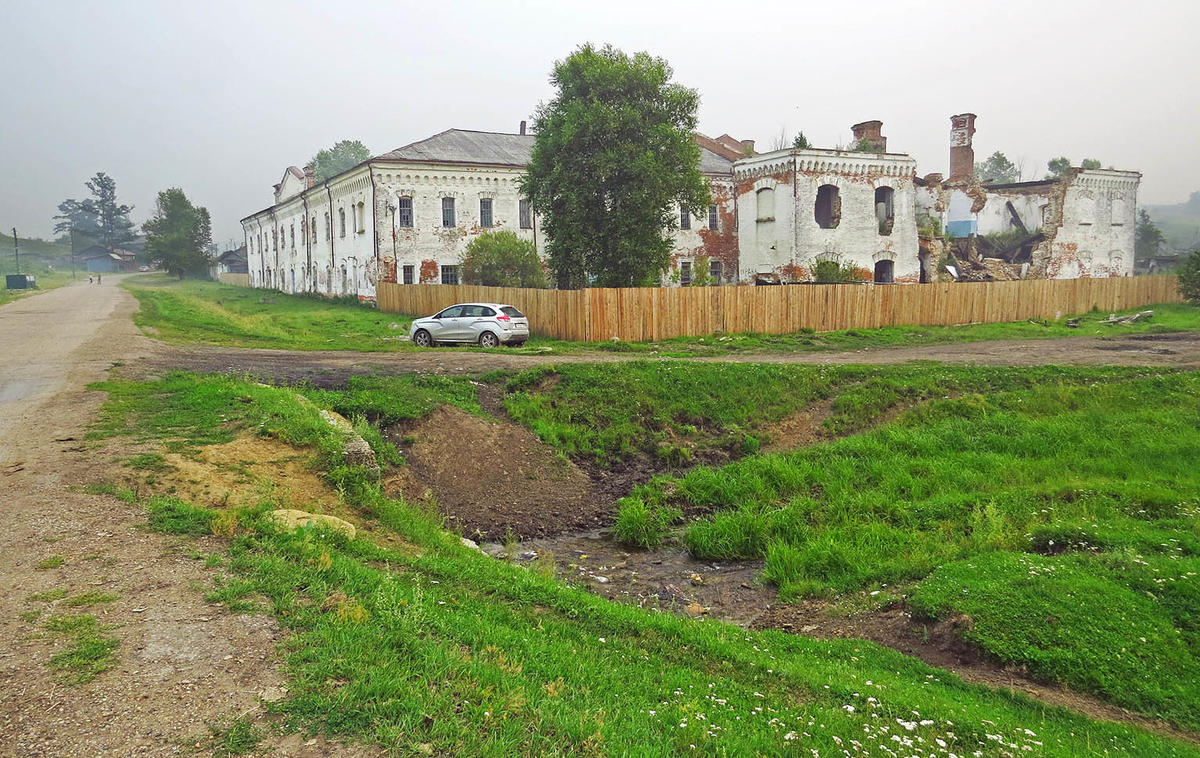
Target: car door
[475,321]
[446,324]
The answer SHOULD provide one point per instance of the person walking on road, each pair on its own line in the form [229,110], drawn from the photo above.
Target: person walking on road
[91,280]
[98,276]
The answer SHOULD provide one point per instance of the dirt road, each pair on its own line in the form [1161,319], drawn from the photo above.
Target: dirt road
[1178,350]
[182,664]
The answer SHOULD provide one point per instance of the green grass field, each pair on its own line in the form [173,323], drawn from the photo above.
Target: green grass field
[47,277]
[218,314]
[406,639]
[1092,476]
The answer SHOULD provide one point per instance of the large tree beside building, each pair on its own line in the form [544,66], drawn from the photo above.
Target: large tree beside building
[100,217]
[343,155]
[614,157]
[1148,240]
[178,235]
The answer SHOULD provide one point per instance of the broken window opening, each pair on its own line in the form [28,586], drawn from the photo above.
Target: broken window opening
[404,212]
[884,272]
[828,209]
[523,211]
[685,273]
[884,211]
[485,212]
[714,271]
[447,211]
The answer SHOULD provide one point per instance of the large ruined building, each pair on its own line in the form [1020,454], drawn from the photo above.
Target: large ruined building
[407,215]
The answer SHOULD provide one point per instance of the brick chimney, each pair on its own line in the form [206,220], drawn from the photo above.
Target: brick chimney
[748,147]
[522,128]
[310,177]
[872,132]
[962,155]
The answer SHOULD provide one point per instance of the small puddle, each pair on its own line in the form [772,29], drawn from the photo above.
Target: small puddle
[669,578]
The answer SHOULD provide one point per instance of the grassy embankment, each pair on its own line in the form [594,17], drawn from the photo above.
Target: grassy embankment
[1056,507]
[49,262]
[405,638]
[218,314]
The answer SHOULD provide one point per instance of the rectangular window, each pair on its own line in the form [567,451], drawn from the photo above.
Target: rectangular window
[526,217]
[485,212]
[404,212]
[362,218]
[685,219]
[714,270]
[447,211]
[408,274]
[450,273]
[685,273]
[713,218]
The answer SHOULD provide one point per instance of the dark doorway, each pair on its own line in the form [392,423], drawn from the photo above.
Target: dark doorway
[883,272]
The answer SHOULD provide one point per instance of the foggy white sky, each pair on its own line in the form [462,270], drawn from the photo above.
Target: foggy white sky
[218,98]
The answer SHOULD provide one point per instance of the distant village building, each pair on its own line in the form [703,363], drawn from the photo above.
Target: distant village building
[103,260]
[406,216]
[232,261]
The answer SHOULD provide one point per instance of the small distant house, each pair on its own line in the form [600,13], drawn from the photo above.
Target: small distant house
[233,261]
[104,260]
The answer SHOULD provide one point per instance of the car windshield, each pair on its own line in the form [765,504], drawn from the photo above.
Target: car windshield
[511,311]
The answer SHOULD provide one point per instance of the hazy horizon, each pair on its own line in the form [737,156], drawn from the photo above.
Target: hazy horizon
[219,100]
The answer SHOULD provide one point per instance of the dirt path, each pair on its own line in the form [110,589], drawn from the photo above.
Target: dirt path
[182,663]
[1177,350]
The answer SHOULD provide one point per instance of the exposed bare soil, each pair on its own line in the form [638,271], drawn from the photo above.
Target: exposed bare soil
[1181,349]
[490,478]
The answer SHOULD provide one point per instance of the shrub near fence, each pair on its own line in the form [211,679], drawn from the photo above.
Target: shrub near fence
[652,313]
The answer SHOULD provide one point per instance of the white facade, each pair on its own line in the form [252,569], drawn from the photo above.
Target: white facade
[797,207]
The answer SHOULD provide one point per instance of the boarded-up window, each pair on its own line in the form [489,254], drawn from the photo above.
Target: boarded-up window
[764,203]
[1087,211]
[1118,212]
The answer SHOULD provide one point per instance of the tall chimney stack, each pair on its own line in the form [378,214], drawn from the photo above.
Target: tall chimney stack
[522,128]
[872,132]
[962,155]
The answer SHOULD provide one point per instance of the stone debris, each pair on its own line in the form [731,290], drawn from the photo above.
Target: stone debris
[290,518]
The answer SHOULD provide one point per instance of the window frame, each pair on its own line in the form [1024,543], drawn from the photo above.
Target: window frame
[448,272]
[524,213]
[448,205]
[490,205]
[714,217]
[404,215]
[685,273]
[685,219]
[407,273]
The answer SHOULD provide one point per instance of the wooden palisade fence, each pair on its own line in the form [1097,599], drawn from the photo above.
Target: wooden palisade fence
[651,313]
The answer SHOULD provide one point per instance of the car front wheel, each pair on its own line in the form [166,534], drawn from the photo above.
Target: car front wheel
[422,339]
[487,339]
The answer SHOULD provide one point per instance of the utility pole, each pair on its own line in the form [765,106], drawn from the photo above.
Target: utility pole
[72,231]
[17,250]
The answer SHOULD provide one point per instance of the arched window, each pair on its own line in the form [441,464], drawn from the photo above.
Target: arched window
[293,234]
[884,212]
[764,202]
[312,228]
[341,222]
[345,280]
[884,272]
[828,209]
[361,224]
[327,225]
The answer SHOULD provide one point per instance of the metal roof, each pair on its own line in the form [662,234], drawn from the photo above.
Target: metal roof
[498,149]
[462,146]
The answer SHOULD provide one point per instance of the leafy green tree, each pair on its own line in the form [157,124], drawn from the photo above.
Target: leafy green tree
[502,259]
[1189,277]
[343,155]
[1090,163]
[614,159]
[178,235]
[997,169]
[801,142]
[1147,238]
[99,217]
[1058,166]
[865,145]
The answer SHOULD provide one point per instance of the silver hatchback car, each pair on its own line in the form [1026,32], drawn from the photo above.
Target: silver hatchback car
[484,324]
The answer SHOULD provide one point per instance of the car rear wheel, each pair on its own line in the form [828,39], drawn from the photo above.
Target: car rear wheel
[487,339]
[422,339]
